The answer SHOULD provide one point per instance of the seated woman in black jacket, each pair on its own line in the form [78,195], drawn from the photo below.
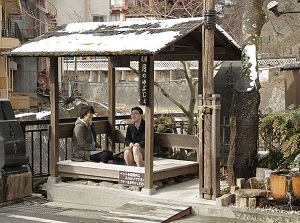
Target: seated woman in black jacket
[135,139]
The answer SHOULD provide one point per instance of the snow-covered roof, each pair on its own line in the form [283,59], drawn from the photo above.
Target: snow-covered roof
[122,38]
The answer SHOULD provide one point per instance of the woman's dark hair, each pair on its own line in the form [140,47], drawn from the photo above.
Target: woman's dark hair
[86,109]
[139,109]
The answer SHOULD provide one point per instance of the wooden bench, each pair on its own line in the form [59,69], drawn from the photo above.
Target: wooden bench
[162,168]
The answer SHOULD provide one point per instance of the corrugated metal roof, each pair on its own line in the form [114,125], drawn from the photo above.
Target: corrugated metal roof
[117,38]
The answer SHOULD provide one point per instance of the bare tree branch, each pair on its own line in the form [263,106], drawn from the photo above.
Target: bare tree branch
[171,98]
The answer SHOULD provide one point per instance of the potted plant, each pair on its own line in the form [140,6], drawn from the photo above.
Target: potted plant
[280,133]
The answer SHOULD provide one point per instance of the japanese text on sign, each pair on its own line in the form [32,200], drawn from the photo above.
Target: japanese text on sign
[132,179]
[144,79]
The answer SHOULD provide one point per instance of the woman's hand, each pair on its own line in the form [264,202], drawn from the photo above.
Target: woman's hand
[99,149]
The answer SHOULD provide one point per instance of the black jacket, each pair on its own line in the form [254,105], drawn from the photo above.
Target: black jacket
[136,136]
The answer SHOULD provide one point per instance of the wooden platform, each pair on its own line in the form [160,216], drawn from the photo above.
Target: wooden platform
[162,169]
[142,211]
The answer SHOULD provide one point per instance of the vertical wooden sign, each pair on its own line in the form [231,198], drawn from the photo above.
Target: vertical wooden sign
[144,79]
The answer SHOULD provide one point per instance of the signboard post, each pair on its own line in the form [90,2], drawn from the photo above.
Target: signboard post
[144,79]
[131,178]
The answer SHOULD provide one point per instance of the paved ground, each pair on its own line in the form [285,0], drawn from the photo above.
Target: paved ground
[211,219]
[89,204]
[51,213]
[54,212]
[109,199]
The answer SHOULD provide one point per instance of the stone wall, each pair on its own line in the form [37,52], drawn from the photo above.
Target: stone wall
[127,95]
[15,186]
[272,92]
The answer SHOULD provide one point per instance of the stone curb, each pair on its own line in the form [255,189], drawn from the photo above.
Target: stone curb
[107,199]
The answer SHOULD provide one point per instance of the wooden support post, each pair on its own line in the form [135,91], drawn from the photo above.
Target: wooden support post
[200,77]
[149,129]
[200,157]
[208,89]
[54,122]
[215,147]
[111,105]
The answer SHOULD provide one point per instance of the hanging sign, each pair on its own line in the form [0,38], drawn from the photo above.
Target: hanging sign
[144,80]
[120,61]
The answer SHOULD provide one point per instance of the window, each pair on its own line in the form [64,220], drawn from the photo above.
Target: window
[115,17]
[98,18]
[116,2]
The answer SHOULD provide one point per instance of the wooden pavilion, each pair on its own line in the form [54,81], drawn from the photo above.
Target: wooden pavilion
[122,42]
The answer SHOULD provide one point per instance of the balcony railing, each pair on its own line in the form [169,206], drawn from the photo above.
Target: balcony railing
[47,7]
[11,29]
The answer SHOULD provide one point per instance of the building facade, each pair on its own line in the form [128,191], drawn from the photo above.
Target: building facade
[73,11]
[23,20]
[10,37]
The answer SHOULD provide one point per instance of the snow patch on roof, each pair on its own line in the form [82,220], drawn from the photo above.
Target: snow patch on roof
[90,42]
[112,38]
[121,26]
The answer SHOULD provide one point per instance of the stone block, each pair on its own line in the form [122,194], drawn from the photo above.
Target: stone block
[225,200]
[252,202]
[159,184]
[224,190]
[134,188]
[242,202]
[233,189]
[267,184]
[2,198]
[171,181]
[18,186]
[92,183]
[241,183]
[251,193]
[253,183]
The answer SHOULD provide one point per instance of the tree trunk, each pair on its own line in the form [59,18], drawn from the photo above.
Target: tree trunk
[242,160]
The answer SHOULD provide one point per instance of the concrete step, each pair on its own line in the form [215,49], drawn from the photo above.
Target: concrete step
[113,200]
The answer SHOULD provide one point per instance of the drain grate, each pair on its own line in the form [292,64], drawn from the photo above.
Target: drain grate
[36,208]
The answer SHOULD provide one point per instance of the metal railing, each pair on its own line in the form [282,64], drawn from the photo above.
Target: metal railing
[11,29]
[47,7]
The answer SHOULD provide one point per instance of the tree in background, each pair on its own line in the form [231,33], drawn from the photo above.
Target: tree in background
[242,159]
[174,9]
[164,9]
[190,111]
[230,14]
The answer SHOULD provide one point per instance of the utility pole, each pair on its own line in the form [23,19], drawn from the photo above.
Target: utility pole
[209,111]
